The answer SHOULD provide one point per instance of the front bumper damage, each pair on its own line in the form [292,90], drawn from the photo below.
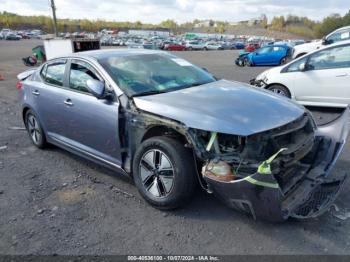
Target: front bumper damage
[261,196]
[258,83]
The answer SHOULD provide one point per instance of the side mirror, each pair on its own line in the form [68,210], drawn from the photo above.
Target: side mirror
[302,67]
[96,87]
[325,41]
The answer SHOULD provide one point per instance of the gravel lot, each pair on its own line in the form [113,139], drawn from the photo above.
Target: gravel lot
[52,202]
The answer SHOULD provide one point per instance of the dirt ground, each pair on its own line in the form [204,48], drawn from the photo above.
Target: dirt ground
[52,202]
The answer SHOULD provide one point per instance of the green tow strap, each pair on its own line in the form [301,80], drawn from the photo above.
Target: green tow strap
[211,141]
[260,183]
[265,167]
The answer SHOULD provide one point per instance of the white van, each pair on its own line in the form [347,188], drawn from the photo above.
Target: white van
[340,34]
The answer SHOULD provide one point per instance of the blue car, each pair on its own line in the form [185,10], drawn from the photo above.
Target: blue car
[238,45]
[267,55]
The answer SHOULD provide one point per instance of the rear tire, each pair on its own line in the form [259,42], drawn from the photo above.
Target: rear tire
[280,90]
[35,130]
[164,172]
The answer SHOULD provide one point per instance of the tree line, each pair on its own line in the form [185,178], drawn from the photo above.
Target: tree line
[302,26]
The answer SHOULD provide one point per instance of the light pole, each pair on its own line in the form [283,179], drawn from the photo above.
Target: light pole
[54,17]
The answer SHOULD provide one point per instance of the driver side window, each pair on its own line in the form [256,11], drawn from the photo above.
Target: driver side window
[339,36]
[79,74]
[336,57]
[264,50]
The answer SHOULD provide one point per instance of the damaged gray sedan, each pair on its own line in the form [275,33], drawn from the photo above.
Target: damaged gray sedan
[170,125]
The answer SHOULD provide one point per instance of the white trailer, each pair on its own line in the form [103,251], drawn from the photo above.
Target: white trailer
[55,47]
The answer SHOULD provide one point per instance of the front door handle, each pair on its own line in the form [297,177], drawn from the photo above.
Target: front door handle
[341,75]
[36,92]
[68,102]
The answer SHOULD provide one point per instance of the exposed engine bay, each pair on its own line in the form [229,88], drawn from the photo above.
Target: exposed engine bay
[279,173]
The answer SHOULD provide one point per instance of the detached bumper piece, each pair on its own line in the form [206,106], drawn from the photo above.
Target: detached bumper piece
[319,199]
[261,195]
[258,83]
[240,61]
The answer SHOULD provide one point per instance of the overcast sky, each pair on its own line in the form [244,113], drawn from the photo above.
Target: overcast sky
[154,11]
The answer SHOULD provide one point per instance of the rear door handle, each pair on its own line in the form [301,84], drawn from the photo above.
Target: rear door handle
[341,75]
[36,92]
[68,102]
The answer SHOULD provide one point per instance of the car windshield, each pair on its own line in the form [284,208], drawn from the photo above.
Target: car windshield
[151,73]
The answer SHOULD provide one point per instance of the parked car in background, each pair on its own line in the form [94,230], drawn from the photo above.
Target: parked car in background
[297,42]
[213,46]
[175,47]
[142,46]
[251,47]
[341,34]
[12,36]
[267,55]
[159,120]
[321,78]
[4,32]
[238,45]
[194,45]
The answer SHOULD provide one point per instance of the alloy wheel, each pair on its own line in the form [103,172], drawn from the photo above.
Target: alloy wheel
[157,173]
[278,91]
[34,129]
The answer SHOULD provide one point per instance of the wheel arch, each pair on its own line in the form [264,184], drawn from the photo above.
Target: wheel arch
[25,109]
[163,130]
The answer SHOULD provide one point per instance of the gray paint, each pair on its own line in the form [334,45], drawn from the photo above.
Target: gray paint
[223,106]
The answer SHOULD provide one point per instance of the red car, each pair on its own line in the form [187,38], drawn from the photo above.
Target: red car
[251,47]
[175,47]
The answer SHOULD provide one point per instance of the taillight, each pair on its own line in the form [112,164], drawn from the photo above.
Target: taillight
[19,85]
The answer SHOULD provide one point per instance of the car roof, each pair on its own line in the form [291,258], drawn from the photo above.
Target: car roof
[105,53]
[279,45]
[341,28]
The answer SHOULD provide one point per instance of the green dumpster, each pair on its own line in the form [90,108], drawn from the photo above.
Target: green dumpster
[39,53]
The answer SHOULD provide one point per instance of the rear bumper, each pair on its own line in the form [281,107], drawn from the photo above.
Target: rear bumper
[261,196]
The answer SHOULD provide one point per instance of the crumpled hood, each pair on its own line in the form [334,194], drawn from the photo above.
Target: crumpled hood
[243,53]
[223,106]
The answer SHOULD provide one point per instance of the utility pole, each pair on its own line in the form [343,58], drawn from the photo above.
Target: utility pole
[54,17]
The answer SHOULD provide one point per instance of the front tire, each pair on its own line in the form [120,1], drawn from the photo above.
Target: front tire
[164,172]
[247,62]
[35,130]
[280,90]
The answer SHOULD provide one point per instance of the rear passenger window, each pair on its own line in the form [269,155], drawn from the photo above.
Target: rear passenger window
[79,74]
[54,74]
